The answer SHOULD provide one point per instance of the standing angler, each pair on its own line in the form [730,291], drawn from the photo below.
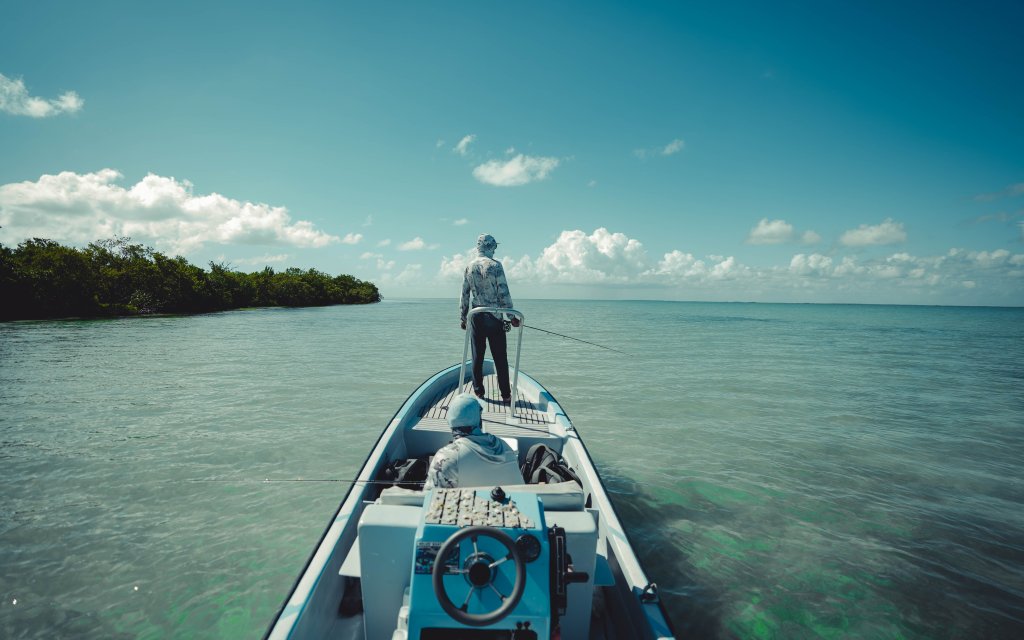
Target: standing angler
[485,279]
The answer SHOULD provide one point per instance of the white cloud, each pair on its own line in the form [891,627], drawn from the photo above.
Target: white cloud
[410,275]
[462,148]
[385,242]
[14,99]
[453,268]
[575,257]
[1009,192]
[904,270]
[352,238]
[369,221]
[770,232]
[79,208]
[367,255]
[888,232]
[415,244]
[607,260]
[515,172]
[679,268]
[263,260]
[673,147]
[814,264]
[460,222]
[578,257]
[810,237]
[677,264]
[778,232]
[985,259]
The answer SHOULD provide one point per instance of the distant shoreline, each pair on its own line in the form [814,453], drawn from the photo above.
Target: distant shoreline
[44,280]
[765,303]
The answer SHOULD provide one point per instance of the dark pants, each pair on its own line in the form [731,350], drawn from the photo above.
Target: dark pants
[488,328]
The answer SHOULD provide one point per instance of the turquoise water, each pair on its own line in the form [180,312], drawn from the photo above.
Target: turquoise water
[785,471]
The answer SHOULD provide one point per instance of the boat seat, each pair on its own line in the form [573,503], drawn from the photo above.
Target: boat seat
[401,497]
[559,496]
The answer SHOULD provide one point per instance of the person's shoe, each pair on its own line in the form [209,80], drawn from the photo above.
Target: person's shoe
[479,394]
[506,399]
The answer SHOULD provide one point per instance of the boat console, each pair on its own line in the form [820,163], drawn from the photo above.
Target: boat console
[478,563]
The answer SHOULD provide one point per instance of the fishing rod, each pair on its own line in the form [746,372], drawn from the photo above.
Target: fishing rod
[269,481]
[562,335]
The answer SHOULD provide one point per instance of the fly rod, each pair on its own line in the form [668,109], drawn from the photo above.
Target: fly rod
[269,480]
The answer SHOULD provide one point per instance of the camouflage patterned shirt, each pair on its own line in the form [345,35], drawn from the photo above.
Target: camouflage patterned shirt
[485,279]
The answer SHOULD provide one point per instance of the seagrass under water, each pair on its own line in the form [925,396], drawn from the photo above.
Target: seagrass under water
[784,471]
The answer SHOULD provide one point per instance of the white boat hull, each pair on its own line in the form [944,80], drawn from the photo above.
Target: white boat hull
[625,604]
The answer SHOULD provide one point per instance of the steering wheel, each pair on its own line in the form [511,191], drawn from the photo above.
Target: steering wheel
[479,570]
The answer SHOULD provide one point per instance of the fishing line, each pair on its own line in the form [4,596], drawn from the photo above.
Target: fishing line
[562,335]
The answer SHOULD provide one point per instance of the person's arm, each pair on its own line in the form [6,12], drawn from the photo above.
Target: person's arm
[444,471]
[464,301]
[504,297]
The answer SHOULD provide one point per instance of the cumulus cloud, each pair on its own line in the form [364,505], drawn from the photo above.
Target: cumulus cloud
[15,100]
[453,268]
[906,271]
[814,264]
[579,257]
[778,232]
[385,242]
[888,232]
[460,222]
[416,244]
[770,232]
[352,238]
[517,171]
[80,208]
[680,268]
[608,259]
[605,258]
[462,148]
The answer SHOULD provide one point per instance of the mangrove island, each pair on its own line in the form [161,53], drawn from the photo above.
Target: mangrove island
[44,279]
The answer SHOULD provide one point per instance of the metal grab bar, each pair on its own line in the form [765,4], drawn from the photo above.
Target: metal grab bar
[519,348]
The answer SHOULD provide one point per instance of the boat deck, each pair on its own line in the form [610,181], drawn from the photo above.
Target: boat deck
[497,418]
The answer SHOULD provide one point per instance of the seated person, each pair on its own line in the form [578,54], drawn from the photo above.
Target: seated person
[473,458]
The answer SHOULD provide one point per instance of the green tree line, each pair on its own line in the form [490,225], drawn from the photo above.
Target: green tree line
[44,279]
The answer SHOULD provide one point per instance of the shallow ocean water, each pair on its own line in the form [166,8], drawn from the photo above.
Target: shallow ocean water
[785,471]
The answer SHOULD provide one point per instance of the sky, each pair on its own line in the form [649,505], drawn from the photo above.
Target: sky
[838,152]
